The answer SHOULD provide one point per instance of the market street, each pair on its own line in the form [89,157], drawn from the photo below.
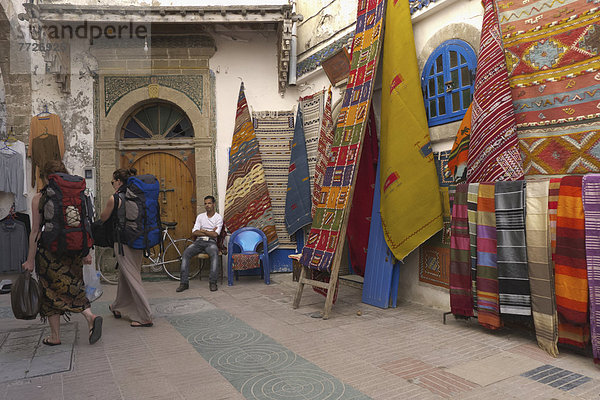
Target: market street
[246,341]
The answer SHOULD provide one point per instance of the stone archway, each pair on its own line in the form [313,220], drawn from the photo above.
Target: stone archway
[17,81]
[110,148]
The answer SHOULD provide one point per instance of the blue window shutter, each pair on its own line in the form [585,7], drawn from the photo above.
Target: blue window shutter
[448,81]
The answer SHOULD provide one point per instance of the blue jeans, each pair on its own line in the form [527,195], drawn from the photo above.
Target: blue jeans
[200,246]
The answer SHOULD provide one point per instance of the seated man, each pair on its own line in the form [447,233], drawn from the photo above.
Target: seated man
[206,230]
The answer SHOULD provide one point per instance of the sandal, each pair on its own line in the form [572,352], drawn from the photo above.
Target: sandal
[136,324]
[116,314]
[96,331]
[47,342]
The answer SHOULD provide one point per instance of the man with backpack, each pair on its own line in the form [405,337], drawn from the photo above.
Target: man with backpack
[206,230]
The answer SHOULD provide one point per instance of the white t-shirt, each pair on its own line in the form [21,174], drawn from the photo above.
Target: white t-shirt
[203,222]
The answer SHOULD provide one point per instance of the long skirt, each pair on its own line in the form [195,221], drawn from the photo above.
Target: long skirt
[61,278]
[131,298]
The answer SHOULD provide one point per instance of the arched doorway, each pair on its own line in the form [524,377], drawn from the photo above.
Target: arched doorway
[167,129]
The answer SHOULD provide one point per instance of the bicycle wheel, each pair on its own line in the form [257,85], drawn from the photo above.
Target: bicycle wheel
[153,262]
[106,264]
[171,259]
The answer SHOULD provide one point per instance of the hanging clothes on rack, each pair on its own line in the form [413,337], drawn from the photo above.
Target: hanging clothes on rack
[45,124]
[44,148]
[12,179]
[14,244]
[10,145]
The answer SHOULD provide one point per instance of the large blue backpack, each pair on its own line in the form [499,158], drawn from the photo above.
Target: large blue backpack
[138,214]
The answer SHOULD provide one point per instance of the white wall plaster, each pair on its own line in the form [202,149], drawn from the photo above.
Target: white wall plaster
[322,20]
[253,58]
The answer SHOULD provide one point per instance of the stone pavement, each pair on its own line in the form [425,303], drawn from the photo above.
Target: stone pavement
[246,342]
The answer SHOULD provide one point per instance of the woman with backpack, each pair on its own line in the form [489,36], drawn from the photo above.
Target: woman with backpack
[131,299]
[60,273]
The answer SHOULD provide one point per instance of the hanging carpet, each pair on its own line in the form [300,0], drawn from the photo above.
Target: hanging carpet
[411,210]
[493,146]
[297,199]
[323,151]
[275,131]
[591,209]
[336,190]
[312,111]
[570,265]
[552,65]
[513,277]
[487,270]
[461,299]
[457,160]
[540,267]
[359,220]
[472,195]
[247,200]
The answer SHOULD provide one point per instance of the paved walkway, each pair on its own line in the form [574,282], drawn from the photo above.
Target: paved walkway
[246,342]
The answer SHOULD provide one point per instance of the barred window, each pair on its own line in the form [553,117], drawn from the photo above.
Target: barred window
[448,81]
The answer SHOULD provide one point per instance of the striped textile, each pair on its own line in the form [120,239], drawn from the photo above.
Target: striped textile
[570,265]
[591,209]
[493,145]
[461,299]
[472,195]
[323,239]
[541,271]
[297,198]
[247,200]
[513,277]
[411,211]
[323,151]
[275,131]
[553,187]
[457,161]
[487,271]
[312,111]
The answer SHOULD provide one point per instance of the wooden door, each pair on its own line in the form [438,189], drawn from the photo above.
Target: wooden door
[177,198]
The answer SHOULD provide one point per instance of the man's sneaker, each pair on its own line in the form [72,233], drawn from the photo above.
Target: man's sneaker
[213,286]
[182,287]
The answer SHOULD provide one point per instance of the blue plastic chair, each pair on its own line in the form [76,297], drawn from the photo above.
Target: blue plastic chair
[246,241]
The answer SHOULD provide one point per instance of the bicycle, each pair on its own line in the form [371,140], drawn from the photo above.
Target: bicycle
[169,260]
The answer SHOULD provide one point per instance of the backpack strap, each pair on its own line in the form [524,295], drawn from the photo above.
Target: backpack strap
[119,200]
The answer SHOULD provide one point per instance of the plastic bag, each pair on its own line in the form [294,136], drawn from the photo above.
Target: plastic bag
[25,296]
[91,278]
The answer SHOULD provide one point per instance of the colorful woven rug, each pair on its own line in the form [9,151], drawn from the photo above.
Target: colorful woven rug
[312,110]
[591,210]
[297,199]
[323,151]
[513,275]
[488,305]
[472,196]
[541,269]
[408,176]
[275,131]
[570,265]
[247,200]
[336,190]
[434,262]
[493,146]
[457,160]
[461,299]
[551,48]
[359,220]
